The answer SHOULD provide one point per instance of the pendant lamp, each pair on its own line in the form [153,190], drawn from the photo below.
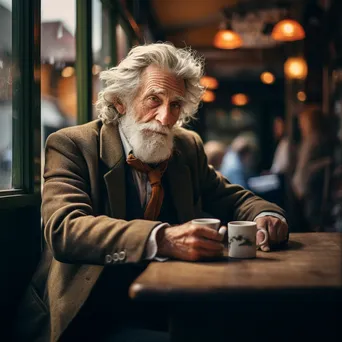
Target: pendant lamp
[288,30]
[226,38]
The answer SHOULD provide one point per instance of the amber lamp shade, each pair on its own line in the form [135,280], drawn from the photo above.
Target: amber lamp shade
[295,68]
[227,39]
[288,30]
[208,96]
[209,82]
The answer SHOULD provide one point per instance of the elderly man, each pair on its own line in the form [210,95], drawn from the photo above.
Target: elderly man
[122,190]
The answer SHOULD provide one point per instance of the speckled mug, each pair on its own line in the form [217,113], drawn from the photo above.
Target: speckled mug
[242,239]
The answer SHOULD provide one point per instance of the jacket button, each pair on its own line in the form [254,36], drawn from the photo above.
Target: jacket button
[108,259]
[122,255]
[115,257]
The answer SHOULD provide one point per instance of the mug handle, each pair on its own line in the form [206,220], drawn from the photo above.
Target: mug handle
[264,242]
[222,231]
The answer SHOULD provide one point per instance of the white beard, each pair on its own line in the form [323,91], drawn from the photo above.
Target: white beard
[148,147]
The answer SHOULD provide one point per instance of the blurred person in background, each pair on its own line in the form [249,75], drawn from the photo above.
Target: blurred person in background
[215,151]
[281,156]
[239,162]
[316,145]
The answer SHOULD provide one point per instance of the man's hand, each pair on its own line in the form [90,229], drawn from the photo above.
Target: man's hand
[277,231]
[189,242]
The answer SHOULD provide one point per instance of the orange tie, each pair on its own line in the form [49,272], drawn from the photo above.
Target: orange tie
[154,176]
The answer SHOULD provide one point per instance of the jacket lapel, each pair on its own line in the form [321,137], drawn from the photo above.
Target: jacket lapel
[179,178]
[111,153]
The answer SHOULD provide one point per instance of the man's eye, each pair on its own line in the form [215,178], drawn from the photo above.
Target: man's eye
[175,105]
[153,99]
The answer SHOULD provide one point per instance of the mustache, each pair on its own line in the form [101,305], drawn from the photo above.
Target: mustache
[155,127]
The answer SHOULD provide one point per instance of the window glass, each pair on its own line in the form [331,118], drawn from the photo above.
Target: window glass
[100,46]
[6,116]
[58,58]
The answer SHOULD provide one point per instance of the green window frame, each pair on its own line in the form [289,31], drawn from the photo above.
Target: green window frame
[26,105]
[26,26]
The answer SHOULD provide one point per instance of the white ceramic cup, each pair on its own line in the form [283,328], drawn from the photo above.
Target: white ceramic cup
[242,239]
[211,223]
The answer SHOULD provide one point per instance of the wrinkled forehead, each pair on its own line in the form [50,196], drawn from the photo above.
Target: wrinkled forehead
[154,77]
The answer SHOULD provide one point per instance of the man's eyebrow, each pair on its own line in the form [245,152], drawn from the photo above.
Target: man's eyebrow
[156,91]
[179,98]
[159,91]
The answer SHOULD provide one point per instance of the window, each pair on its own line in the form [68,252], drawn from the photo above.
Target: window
[6,112]
[100,46]
[58,57]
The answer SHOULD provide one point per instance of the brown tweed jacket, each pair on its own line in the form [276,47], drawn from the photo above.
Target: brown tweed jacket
[84,170]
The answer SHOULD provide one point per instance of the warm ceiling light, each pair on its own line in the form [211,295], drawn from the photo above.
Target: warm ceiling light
[239,99]
[208,96]
[301,96]
[68,71]
[288,30]
[296,68]
[267,77]
[226,38]
[209,82]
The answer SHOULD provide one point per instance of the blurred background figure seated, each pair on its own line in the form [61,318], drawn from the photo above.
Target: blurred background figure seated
[271,184]
[312,175]
[280,162]
[215,151]
[240,160]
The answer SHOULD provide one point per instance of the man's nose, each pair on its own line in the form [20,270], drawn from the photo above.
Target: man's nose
[164,115]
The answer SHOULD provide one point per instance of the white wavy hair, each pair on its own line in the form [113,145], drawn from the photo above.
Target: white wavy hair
[122,82]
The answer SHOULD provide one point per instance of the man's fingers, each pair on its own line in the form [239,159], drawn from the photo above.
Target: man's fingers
[277,230]
[201,243]
[209,233]
[272,231]
[282,232]
[265,248]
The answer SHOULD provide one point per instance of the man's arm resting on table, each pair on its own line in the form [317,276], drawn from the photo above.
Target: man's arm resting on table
[152,246]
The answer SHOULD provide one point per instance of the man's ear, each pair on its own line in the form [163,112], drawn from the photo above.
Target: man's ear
[120,107]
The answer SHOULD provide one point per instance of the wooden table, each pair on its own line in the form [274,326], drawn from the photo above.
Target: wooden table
[281,294]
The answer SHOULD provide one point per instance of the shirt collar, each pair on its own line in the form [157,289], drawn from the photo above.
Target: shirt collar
[126,146]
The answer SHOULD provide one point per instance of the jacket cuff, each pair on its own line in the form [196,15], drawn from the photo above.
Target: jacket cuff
[151,246]
[271,213]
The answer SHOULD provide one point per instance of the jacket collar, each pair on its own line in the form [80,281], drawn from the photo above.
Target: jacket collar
[111,151]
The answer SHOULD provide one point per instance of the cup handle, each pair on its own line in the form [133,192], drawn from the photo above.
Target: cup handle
[222,231]
[265,241]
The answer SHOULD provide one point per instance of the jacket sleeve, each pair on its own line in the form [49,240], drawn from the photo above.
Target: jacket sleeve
[72,231]
[225,200]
